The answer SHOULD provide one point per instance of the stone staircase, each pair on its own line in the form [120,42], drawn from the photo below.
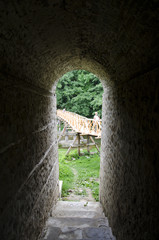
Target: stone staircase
[78,220]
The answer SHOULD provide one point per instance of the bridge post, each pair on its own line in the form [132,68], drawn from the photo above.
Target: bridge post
[66,135]
[78,136]
[88,149]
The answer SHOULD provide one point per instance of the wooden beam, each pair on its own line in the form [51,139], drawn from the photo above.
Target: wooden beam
[71,146]
[95,143]
[88,149]
[66,134]
[78,136]
[80,124]
[64,129]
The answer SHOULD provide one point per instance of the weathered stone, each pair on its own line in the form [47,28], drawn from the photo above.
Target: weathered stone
[84,226]
[117,41]
[128,157]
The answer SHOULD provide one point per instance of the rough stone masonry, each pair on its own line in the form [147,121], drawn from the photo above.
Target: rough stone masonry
[117,41]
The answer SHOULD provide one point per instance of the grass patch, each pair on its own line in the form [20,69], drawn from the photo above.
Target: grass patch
[87,167]
[65,173]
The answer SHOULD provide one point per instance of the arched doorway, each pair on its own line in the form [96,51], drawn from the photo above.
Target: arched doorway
[79,94]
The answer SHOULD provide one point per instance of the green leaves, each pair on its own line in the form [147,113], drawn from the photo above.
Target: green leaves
[81,92]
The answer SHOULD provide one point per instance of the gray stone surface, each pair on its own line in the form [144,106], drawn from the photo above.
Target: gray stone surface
[80,227]
[96,233]
[129,157]
[28,161]
[83,34]
[81,221]
[74,209]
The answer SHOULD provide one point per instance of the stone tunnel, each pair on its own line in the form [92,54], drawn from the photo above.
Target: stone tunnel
[118,42]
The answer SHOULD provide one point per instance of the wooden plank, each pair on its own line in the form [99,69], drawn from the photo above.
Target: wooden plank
[71,146]
[69,133]
[64,129]
[95,144]
[83,145]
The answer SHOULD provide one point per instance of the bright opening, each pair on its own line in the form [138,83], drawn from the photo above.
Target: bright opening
[79,110]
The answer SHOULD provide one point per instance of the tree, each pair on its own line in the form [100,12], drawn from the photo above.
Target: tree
[81,92]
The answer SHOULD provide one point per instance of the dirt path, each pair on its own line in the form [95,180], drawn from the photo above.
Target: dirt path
[80,194]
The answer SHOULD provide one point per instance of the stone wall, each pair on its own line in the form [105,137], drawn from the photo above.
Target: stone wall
[28,158]
[129,161]
[39,42]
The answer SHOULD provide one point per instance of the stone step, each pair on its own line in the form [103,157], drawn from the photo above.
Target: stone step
[77,222]
[55,233]
[78,214]
[78,209]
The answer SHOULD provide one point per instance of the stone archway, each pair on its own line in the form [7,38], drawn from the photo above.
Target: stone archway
[38,42]
[86,105]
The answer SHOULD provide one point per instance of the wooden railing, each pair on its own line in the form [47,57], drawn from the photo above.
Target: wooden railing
[81,124]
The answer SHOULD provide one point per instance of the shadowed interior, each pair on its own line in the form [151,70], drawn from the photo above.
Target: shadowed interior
[118,42]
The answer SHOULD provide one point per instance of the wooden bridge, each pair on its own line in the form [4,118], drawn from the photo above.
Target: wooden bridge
[81,126]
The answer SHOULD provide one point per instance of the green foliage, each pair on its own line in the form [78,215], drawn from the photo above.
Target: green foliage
[87,167]
[65,173]
[67,176]
[81,92]
[88,171]
[73,155]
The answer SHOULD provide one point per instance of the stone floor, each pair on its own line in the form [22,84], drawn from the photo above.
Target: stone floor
[77,220]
